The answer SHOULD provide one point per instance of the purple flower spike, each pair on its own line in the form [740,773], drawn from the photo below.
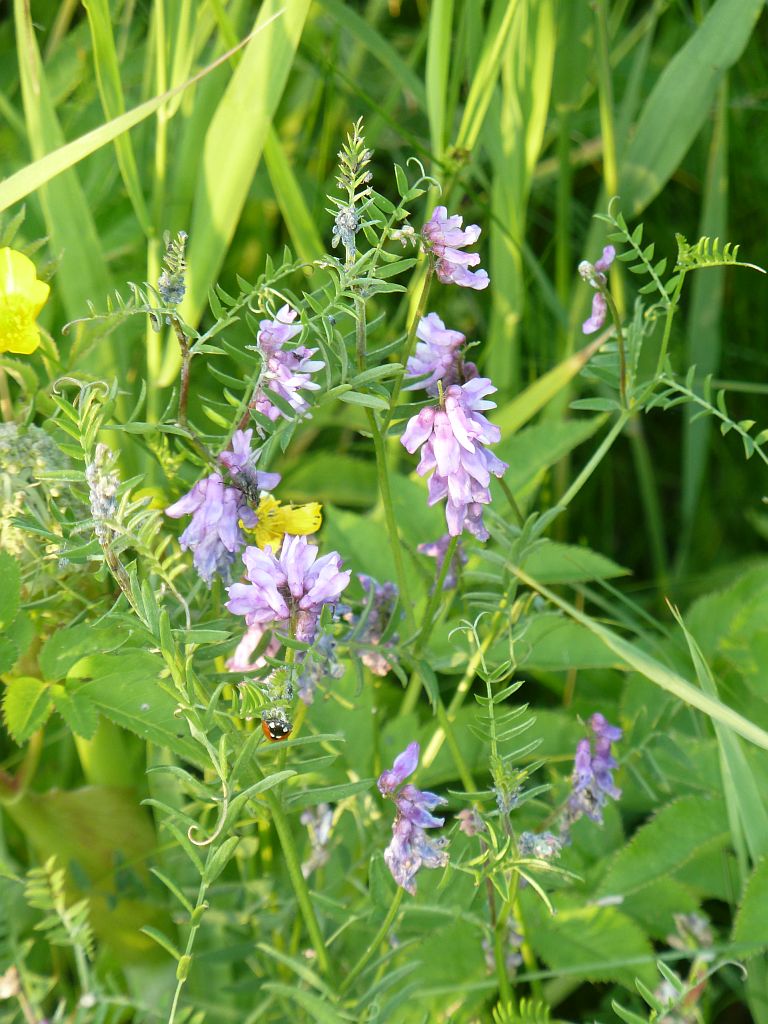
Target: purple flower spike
[592,780]
[605,261]
[437,354]
[286,372]
[241,462]
[293,586]
[214,535]
[595,275]
[453,437]
[411,848]
[446,239]
[438,549]
[383,598]
[599,313]
[241,659]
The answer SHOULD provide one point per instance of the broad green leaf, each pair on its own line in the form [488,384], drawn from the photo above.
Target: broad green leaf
[65,647]
[676,834]
[333,479]
[552,643]
[125,687]
[77,710]
[531,451]
[751,925]
[567,563]
[9,653]
[10,589]
[26,706]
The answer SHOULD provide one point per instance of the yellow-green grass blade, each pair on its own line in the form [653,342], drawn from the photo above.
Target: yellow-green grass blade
[113,102]
[746,807]
[82,273]
[637,659]
[234,145]
[305,237]
[439,47]
[60,159]
[487,72]
[528,403]
[514,141]
[681,100]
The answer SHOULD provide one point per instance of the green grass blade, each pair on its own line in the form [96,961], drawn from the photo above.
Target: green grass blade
[681,100]
[63,157]
[234,144]
[305,237]
[82,272]
[640,661]
[742,795]
[487,72]
[439,45]
[113,102]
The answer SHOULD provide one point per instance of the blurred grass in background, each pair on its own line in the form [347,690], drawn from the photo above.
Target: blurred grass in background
[530,113]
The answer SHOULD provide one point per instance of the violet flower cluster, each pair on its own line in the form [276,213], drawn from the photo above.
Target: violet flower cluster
[411,848]
[382,598]
[446,238]
[438,357]
[289,589]
[595,275]
[454,435]
[592,780]
[286,371]
[215,536]
[315,665]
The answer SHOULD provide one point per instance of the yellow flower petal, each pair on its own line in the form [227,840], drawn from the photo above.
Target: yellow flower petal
[275,520]
[22,297]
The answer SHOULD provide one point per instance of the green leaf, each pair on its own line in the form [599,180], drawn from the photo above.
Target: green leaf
[9,653]
[319,1009]
[126,688]
[219,859]
[77,710]
[26,706]
[65,647]
[10,589]
[676,834]
[567,563]
[750,928]
[326,794]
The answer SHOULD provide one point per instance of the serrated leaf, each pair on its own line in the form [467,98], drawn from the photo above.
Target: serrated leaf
[65,647]
[9,653]
[26,706]
[77,710]
[750,929]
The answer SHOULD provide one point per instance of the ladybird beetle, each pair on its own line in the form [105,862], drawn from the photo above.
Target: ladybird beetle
[276,729]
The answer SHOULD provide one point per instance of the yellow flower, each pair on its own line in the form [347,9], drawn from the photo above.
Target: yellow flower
[22,297]
[276,519]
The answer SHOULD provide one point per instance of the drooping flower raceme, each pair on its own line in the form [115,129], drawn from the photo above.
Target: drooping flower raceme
[438,353]
[592,780]
[219,511]
[22,297]
[446,238]
[411,848]
[287,371]
[290,588]
[454,435]
[595,275]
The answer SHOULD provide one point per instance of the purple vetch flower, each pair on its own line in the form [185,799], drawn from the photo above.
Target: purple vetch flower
[438,549]
[214,535]
[290,588]
[542,845]
[454,434]
[411,848]
[318,821]
[382,598]
[241,463]
[446,238]
[595,275]
[438,353]
[286,371]
[592,780]
[470,822]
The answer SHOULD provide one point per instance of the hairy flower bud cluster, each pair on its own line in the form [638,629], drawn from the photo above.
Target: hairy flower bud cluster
[286,371]
[103,483]
[454,435]
[411,848]
[287,590]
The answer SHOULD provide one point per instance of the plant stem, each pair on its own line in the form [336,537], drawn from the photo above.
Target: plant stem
[516,510]
[410,340]
[381,934]
[182,970]
[186,362]
[298,881]
[596,459]
[616,317]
